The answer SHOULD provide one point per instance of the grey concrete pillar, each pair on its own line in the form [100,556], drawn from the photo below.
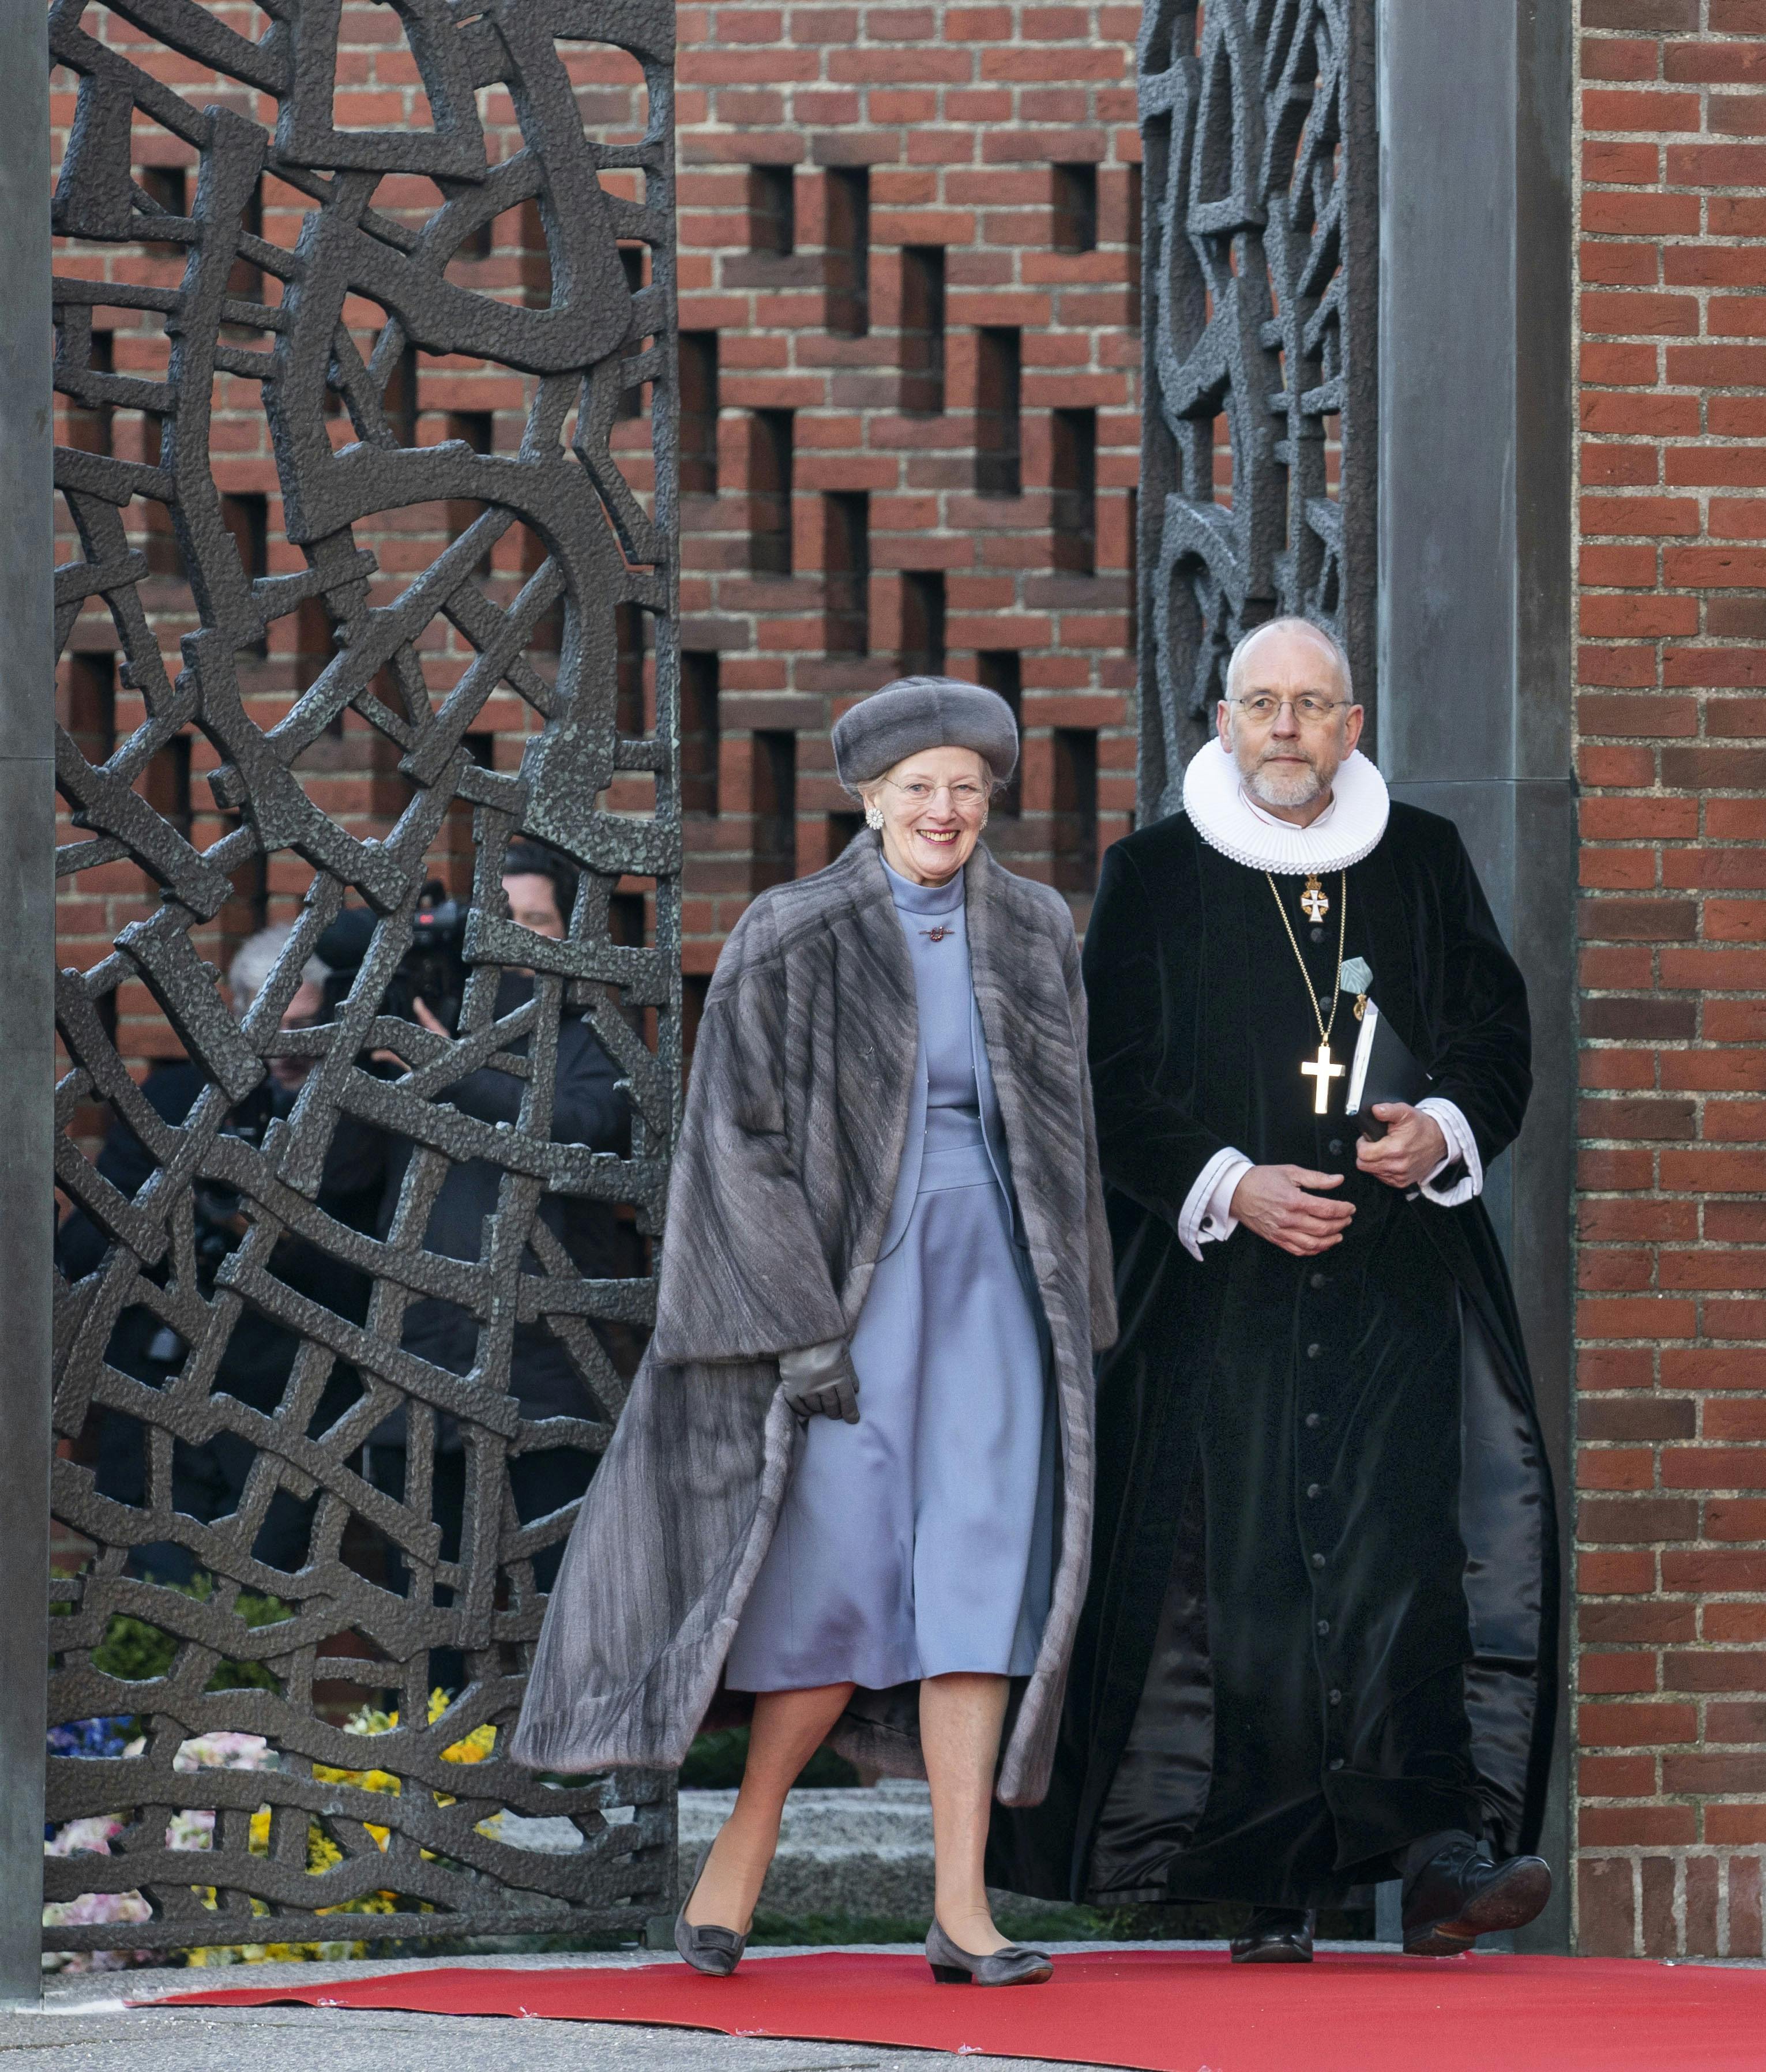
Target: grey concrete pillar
[26,980]
[1475,631]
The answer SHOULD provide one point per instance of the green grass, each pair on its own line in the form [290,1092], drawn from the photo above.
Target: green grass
[715,1763]
[782,1930]
[1029,1924]
[1048,1921]
[135,1652]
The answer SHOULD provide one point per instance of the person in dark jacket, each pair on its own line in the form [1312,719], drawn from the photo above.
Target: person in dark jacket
[589,1108]
[208,1478]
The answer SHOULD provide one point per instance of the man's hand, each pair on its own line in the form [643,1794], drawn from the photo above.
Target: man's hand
[427,1018]
[1412,1148]
[1277,1202]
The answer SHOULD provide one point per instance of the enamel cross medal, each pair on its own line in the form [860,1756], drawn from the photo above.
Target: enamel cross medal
[1314,905]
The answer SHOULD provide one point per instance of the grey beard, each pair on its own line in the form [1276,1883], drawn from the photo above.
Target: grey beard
[1299,789]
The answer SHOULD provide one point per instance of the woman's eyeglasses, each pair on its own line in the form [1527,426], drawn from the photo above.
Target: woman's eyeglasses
[966,796]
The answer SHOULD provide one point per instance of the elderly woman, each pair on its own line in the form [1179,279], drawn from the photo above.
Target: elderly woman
[854,1478]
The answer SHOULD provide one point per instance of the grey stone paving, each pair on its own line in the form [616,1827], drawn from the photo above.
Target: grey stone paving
[303,2040]
[85,2028]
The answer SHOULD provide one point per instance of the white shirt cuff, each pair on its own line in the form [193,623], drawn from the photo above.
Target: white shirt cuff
[1206,1216]
[1461,1144]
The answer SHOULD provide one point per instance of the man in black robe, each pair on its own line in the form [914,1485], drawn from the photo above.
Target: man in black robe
[1319,1644]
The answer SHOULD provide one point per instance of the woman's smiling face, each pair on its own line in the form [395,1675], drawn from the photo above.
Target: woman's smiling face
[934,806]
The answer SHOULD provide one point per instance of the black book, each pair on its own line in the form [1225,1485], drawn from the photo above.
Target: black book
[1383,1069]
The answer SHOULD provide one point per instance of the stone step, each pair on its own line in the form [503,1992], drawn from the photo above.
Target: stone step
[863,1851]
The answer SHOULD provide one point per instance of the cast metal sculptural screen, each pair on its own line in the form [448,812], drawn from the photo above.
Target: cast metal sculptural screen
[326,330]
[1259,244]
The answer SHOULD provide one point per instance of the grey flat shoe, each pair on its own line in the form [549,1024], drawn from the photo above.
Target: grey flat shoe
[1013,1965]
[715,1951]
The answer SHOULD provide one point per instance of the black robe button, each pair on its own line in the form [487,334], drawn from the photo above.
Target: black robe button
[1337,1697]
[1320,1280]
[1336,1762]
[1314,1489]
[1313,1420]
[1324,1626]
[1318,934]
[1317,1560]
[1336,1147]
[1313,1351]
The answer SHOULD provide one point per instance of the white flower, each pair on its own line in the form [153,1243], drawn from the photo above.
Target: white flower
[192,1829]
[226,1751]
[89,1837]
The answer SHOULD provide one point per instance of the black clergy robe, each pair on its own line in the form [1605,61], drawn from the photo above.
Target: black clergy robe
[1322,1614]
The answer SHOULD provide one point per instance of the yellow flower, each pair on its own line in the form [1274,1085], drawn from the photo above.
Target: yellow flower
[474,1748]
[364,1780]
[476,1745]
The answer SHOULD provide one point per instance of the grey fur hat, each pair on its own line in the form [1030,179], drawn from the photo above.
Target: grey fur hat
[916,712]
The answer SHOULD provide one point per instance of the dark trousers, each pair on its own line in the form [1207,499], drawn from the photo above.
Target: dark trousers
[208,1482]
[539,1483]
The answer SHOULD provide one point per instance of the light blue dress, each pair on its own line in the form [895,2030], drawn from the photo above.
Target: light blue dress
[919,1541]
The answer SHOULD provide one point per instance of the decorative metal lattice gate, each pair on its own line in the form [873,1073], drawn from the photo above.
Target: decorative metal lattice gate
[328,328]
[1260,310]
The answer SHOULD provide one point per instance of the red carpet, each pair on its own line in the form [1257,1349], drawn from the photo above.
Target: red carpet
[1157,2010]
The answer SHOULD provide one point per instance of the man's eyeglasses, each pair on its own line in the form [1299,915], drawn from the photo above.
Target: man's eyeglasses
[1308,708]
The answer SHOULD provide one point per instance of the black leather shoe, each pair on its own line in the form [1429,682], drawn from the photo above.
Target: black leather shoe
[1460,1894]
[1277,1935]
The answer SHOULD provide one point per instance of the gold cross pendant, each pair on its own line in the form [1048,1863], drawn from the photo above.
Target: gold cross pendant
[1314,904]
[1321,1075]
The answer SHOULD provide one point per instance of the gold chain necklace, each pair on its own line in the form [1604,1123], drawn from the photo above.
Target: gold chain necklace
[1323,1070]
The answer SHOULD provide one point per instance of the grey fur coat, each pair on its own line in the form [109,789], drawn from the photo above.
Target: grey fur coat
[796,1115]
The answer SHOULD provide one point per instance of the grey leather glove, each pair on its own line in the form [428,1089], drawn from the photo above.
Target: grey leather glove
[819,1381]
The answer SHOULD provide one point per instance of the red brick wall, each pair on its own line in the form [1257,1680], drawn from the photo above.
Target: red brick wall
[352,773]
[960,116]
[956,118]
[1672,727]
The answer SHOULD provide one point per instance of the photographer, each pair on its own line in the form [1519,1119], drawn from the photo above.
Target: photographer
[208,1479]
[588,1107]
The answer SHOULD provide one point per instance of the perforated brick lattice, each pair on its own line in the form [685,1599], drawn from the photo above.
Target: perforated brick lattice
[328,328]
[1257,123]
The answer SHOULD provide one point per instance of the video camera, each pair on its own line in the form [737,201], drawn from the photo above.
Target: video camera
[432,970]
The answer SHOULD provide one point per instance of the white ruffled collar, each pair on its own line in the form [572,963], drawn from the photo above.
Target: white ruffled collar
[1227,820]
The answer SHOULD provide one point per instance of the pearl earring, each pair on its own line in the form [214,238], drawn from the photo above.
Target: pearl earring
[873,816]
